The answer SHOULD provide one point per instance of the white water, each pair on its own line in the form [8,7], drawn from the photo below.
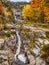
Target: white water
[36,51]
[21,57]
[19,45]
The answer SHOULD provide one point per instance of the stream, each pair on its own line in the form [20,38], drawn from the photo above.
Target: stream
[19,45]
[36,50]
[19,56]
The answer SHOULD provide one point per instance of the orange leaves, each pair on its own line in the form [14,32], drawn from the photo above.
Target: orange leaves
[37,10]
[27,11]
[46,10]
[0,7]
[41,7]
[36,3]
[30,13]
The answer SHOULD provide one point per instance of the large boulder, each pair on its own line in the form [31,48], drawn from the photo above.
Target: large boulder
[46,41]
[39,40]
[21,60]
[40,34]
[26,41]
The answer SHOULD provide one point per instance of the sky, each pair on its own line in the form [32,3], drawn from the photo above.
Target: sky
[20,0]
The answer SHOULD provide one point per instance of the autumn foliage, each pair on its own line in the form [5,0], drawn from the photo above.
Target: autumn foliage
[0,7]
[38,10]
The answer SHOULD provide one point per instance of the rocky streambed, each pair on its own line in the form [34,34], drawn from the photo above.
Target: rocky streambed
[7,50]
[23,48]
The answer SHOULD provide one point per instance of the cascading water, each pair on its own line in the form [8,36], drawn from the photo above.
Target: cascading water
[19,45]
[17,56]
[22,57]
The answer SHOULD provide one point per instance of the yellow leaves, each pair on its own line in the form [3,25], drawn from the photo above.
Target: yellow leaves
[40,6]
[36,10]
[47,18]
[46,10]
[31,13]
[6,13]
[27,11]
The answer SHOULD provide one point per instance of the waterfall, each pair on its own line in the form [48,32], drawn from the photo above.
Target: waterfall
[21,56]
[19,45]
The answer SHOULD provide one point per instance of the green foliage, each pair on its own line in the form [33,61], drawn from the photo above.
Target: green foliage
[5,26]
[9,8]
[8,33]
[20,28]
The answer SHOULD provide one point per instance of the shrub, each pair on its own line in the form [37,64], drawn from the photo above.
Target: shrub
[8,33]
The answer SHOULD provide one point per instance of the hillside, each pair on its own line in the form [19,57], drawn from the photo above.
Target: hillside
[6,13]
